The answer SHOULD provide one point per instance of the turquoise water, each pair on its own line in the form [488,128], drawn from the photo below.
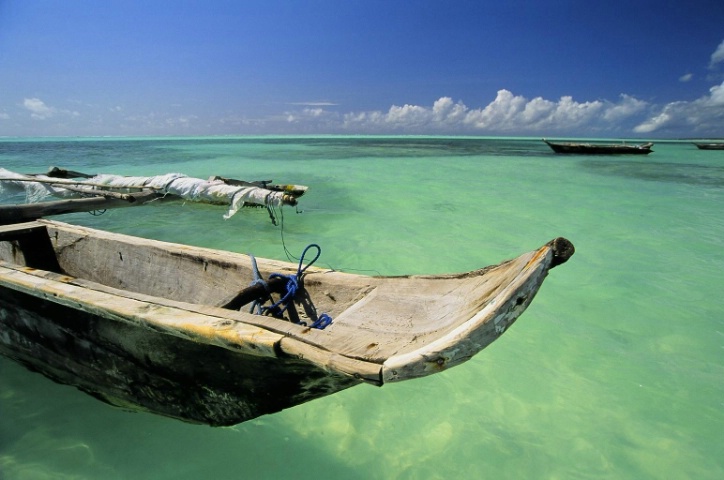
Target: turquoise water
[615,371]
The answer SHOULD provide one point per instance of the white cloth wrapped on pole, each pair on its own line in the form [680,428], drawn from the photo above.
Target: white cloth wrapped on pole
[195,189]
[34,191]
[217,192]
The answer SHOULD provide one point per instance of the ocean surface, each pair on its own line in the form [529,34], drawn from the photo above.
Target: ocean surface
[616,371]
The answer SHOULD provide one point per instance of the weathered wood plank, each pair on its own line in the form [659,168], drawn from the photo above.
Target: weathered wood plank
[12,231]
[484,327]
[34,244]
[358,369]
[175,321]
[148,370]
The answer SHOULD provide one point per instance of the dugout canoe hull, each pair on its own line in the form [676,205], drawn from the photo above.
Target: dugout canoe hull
[710,146]
[140,325]
[599,148]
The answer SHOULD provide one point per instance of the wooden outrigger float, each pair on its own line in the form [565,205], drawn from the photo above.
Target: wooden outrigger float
[165,328]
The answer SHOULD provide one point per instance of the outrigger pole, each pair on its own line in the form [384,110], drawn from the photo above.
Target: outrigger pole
[101,201]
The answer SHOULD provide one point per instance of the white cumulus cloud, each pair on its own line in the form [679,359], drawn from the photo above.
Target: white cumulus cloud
[507,113]
[627,107]
[703,114]
[499,113]
[717,56]
[38,109]
[658,121]
[444,110]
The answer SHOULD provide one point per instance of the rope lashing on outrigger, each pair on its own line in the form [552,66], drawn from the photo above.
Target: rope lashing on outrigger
[277,309]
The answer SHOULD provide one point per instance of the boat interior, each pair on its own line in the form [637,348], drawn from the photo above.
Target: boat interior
[374,318]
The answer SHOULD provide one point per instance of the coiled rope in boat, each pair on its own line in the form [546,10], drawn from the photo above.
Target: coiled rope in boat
[286,302]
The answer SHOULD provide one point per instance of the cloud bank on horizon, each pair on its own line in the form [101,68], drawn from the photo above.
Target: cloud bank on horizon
[506,114]
[516,115]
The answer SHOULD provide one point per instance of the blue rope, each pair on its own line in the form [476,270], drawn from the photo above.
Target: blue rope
[322,321]
[256,306]
[278,308]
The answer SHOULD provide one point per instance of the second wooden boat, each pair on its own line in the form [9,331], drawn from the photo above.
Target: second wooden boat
[600,148]
[710,146]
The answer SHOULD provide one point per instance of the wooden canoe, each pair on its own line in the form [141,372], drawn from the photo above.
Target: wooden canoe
[141,324]
[710,146]
[600,148]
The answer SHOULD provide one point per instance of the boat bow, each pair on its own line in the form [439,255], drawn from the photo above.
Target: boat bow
[462,343]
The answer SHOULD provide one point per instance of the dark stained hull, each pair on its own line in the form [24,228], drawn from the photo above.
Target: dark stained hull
[599,149]
[147,370]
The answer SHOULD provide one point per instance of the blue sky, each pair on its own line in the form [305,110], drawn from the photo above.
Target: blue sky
[552,68]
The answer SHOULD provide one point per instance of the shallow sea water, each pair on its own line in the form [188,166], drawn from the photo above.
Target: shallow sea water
[615,371]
